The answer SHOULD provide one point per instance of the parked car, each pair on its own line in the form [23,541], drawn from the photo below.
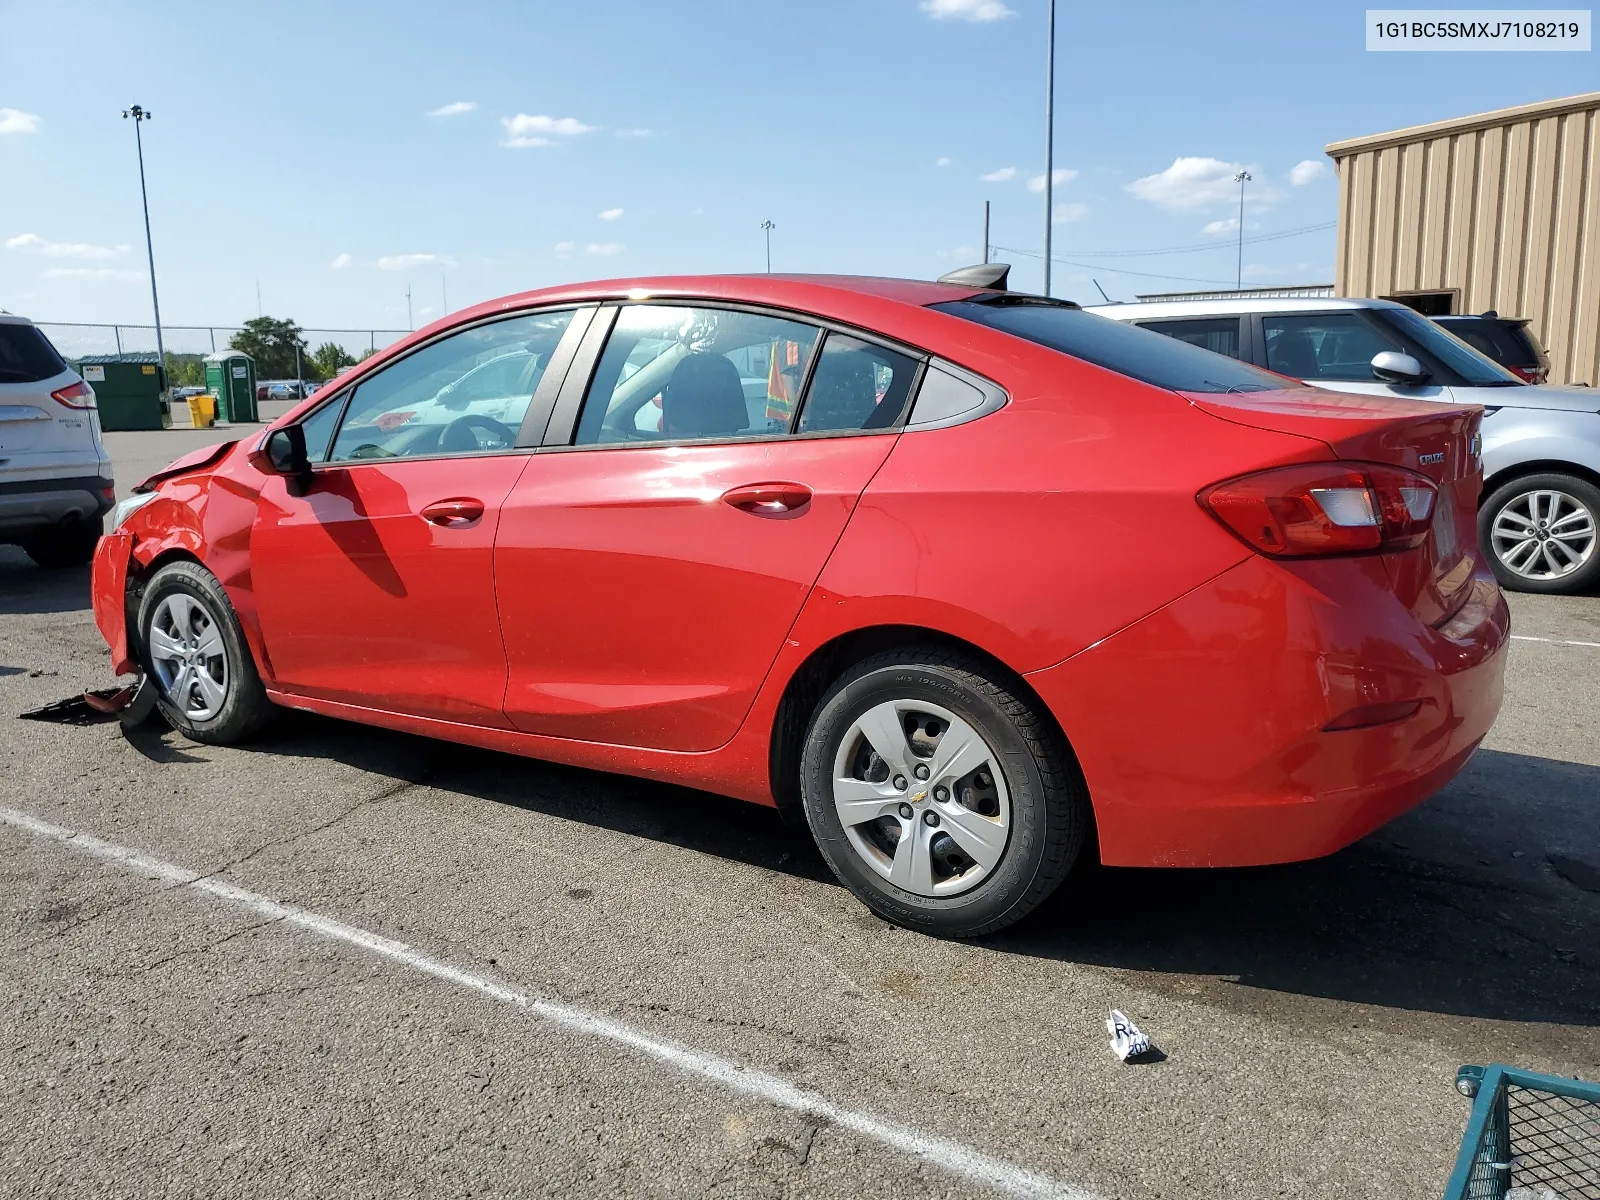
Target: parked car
[1009,583]
[1507,340]
[1540,508]
[55,474]
[183,393]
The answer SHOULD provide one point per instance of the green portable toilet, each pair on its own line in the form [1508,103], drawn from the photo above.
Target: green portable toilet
[128,391]
[231,378]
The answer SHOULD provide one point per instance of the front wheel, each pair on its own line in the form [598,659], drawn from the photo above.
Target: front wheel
[939,795]
[193,648]
[1540,533]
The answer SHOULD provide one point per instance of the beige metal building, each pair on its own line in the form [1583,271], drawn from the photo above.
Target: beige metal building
[1497,211]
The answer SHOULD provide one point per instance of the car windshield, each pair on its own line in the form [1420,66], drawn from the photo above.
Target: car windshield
[1126,349]
[1471,368]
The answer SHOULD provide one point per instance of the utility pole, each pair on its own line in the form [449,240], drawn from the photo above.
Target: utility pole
[1242,178]
[985,231]
[258,299]
[768,227]
[140,116]
[410,324]
[1049,142]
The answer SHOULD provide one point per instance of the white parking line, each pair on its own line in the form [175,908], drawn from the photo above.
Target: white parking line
[1523,637]
[973,1165]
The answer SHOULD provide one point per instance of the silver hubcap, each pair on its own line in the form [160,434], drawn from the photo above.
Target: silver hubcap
[921,797]
[1544,534]
[188,657]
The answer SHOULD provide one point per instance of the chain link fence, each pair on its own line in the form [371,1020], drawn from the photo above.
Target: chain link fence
[138,342]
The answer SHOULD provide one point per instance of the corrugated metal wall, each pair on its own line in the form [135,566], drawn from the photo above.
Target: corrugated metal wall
[1504,207]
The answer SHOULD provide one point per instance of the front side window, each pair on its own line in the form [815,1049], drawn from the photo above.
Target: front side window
[671,374]
[856,386]
[1126,349]
[1220,335]
[1329,345]
[464,394]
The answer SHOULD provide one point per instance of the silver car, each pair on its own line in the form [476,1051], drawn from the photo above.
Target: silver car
[1540,508]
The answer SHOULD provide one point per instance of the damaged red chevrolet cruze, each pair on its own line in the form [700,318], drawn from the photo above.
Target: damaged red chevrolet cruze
[979,583]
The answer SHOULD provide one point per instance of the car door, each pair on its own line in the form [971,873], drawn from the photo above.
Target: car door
[376,586]
[653,557]
[1334,349]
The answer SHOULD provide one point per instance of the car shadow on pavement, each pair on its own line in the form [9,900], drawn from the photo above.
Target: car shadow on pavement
[1431,914]
[25,588]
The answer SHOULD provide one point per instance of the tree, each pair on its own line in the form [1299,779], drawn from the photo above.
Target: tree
[329,359]
[272,343]
[185,370]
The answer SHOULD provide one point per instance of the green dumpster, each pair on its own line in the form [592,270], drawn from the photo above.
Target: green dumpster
[129,391]
[231,378]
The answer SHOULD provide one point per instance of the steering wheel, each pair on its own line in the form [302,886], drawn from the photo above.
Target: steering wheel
[459,437]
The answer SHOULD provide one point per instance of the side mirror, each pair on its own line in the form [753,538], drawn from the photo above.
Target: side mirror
[284,453]
[1393,367]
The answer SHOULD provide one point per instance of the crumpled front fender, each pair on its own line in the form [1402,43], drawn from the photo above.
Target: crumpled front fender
[108,589]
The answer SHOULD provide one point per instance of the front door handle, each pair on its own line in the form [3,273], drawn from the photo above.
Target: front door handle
[454,513]
[769,499]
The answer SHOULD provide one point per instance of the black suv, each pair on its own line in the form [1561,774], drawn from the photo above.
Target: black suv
[1507,340]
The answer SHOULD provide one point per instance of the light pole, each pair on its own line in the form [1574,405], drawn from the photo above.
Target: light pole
[985,231]
[1049,140]
[140,116]
[1242,178]
[767,227]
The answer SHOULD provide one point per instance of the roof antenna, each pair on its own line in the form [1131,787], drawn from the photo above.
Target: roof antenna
[1102,291]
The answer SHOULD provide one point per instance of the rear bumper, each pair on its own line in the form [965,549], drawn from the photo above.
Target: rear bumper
[28,504]
[108,593]
[1201,728]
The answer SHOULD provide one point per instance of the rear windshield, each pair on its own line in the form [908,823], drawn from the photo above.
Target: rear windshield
[1126,349]
[1503,341]
[26,355]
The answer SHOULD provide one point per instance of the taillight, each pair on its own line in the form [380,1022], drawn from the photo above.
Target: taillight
[1530,374]
[74,395]
[1325,508]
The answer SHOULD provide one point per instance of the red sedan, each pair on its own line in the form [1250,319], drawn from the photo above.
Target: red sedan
[976,581]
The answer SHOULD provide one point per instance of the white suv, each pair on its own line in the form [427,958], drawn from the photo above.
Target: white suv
[55,474]
[1539,515]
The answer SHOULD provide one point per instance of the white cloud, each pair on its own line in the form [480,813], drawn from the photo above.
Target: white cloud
[636,133]
[404,262]
[1305,171]
[1003,175]
[943,162]
[340,263]
[32,243]
[102,273]
[563,249]
[530,130]
[611,214]
[605,248]
[1216,228]
[1196,182]
[966,10]
[1059,176]
[454,109]
[14,120]
[1070,212]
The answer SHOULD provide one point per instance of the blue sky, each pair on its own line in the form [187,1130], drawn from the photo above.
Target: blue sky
[293,145]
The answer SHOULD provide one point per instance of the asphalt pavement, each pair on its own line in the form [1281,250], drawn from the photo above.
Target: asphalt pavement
[357,963]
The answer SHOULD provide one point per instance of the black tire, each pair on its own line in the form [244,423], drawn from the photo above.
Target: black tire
[244,709]
[1508,495]
[1050,816]
[70,544]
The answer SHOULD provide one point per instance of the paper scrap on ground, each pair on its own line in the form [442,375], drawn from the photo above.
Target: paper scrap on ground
[1126,1039]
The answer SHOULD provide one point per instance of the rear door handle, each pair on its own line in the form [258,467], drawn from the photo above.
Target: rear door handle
[453,513]
[768,499]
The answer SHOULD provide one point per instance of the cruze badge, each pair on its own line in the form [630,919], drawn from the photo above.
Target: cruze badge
[1428,459]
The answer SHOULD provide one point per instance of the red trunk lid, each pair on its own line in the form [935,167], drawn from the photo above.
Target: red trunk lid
[1432,439]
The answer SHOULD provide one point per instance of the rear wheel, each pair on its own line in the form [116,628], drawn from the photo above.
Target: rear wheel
[1540,533]
[70,544]
[193,648]
[939,795]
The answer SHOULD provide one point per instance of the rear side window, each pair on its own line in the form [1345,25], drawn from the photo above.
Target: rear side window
[1220,335]
[856,386]
[1126,349]
[26,355]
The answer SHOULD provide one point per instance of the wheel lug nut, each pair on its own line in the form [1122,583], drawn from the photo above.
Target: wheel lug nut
[920,771]
[899,783]
[930,818]
[941,794]
[905,812]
